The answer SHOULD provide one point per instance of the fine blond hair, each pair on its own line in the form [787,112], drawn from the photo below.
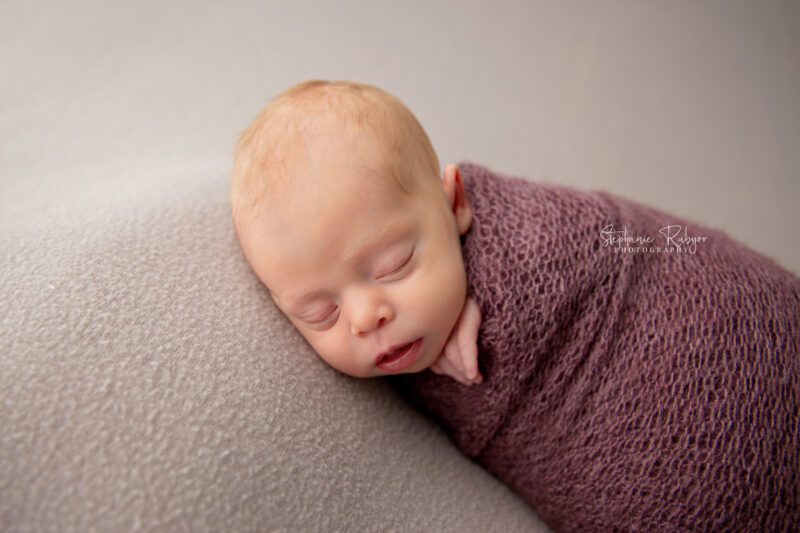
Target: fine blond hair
[265,150]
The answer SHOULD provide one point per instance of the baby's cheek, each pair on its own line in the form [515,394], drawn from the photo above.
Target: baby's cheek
[447,292]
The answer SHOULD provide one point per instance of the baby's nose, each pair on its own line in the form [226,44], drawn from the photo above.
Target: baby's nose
[358,332]
[368,309]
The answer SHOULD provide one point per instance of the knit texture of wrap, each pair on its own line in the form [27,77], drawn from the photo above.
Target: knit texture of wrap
[626,387]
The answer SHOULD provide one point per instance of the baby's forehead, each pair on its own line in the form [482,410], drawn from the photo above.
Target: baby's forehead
[364,169]
[335,188]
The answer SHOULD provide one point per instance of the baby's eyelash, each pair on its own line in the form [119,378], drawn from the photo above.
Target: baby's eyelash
[324,319]
[400,267]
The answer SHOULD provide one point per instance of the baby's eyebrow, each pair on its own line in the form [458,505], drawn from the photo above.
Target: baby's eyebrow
[384,237]
[294,302]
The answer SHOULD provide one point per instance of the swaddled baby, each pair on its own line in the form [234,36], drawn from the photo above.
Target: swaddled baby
[616,367]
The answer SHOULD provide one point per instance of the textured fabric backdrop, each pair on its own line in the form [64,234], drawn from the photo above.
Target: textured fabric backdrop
[148,383]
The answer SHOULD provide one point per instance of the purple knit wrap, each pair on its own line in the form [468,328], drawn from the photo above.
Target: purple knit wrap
[631,390]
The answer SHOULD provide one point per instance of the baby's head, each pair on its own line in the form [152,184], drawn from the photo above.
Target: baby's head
[340,212]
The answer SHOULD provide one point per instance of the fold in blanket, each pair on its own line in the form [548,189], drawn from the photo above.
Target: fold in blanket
[640,373]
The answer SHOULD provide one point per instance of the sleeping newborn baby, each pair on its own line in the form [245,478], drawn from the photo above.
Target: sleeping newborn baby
[618,368]
[340,213]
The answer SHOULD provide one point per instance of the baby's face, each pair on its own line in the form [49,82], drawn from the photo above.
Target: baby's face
[372,276]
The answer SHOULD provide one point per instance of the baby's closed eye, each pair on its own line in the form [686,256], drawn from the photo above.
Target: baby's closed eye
[323,318]
[398,267]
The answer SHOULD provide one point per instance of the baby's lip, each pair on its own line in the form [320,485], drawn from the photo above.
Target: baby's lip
[398,357]
[389,350]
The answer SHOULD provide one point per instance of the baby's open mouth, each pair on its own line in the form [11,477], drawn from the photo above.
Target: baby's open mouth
[399,357]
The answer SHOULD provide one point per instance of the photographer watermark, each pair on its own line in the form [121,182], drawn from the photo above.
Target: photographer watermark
[670,239]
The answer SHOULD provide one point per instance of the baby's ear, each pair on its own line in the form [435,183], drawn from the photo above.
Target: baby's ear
[456,197]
